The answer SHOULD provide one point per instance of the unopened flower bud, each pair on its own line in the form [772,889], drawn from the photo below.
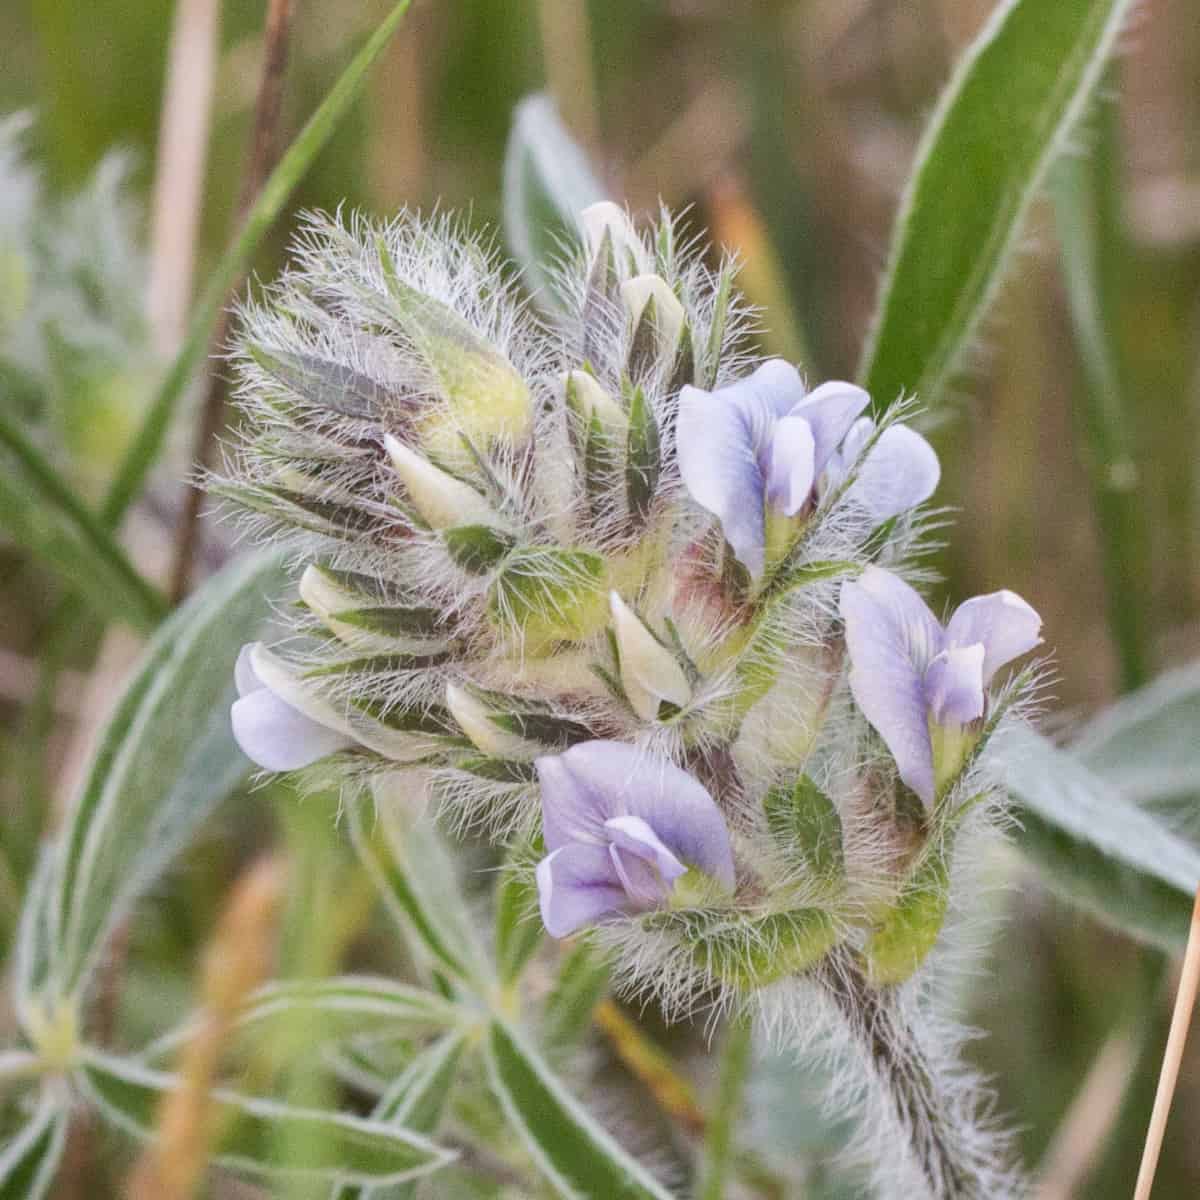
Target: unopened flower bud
[589,400]
[650,673]
[668,315]
[442,501]
[607,217]
[476,720]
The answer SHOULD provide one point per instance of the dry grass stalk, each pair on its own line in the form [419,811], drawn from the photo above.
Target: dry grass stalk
[1181,1019]
[237,960]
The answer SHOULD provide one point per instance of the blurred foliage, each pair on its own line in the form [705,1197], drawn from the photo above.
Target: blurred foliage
[810,110]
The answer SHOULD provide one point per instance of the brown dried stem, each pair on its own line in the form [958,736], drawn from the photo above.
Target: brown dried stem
[276,38]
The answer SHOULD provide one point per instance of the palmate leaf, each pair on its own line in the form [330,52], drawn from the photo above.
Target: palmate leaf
[1097,848]
[547,182]
[165,759]
[1003,118]
[415,1101]
[349,1006]
[576,1155]
[28,1162]
[323,1144]
[41,512]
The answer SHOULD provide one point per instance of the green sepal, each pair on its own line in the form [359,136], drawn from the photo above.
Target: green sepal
[295,508]
[498,770]
[602,294]
[547,594]
[644,344]
[326,384]
[545,728]
[909,929]
[390,621]
[644,457]
[477,549]
[805,824]
[749,952]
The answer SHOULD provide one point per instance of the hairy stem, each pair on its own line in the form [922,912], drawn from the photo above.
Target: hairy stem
[899,1066]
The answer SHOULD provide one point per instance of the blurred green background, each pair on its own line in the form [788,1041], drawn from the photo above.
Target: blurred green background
[787,126]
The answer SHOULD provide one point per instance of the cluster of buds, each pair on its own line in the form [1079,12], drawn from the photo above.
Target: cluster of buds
[604,586]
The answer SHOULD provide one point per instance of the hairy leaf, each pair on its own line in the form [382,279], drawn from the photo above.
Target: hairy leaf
[1093,846]
[547,182]
[575,1154]
[334,1145]
[165,759]
[415,1101]
[1002,120]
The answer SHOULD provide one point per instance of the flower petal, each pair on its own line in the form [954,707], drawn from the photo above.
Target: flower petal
[830,411]
[954,685]
[1002,621]
[573,808]
[613,779]
[790,474]
[277,736]
[577,885]
[776,387]
[244,675]
[900,472]
[632,834]
[904,609]
[718,460]
[886,678]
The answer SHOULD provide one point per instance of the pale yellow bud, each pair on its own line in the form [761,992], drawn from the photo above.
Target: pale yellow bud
[669,317]
[650,673]
[610,218]
[475,720]
[443,501]
[588,399]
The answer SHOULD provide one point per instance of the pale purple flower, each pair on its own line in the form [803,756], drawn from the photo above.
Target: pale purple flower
[272,731]
[621,826]
[764,442]
[900,472]
[910,676]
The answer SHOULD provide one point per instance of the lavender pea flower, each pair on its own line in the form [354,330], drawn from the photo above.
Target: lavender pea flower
[621,826]
[918,684]
[758,448]
[273,732]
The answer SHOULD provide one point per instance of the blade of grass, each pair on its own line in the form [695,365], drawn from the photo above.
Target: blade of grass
[276,36]
[1085,195]
[47,517]
[144,449]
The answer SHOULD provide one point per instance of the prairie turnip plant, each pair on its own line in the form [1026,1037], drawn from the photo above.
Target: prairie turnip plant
[604,587]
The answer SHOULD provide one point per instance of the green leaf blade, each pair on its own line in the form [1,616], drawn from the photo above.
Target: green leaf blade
[166,758]
[574,1153]
[547,182]
[1099,851]
[43,515]
[321,1144]
[29,1161]
[1001,122]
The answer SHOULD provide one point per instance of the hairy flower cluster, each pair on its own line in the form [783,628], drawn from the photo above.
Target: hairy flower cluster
[605,584]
